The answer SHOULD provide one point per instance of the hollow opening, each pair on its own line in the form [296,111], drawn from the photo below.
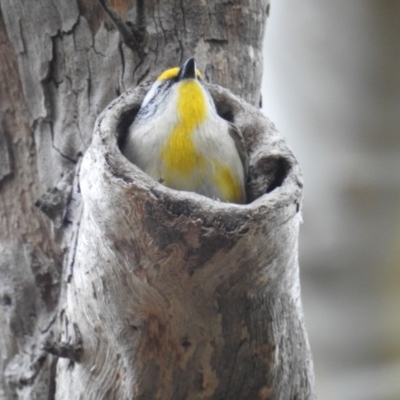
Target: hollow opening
[269,173]
[280,168]
[126,120]
[224,110]
[264,176]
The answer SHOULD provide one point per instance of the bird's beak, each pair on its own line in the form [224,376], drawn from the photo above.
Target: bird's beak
[188,71]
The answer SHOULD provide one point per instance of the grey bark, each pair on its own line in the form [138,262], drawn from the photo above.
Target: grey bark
[68,329]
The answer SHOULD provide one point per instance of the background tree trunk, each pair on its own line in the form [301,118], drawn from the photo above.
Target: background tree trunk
[62,63]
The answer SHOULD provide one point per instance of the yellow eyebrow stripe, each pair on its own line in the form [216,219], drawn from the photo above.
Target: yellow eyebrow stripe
[169,74]
[173,73]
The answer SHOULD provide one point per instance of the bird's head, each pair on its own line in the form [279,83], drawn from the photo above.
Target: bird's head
[181,87]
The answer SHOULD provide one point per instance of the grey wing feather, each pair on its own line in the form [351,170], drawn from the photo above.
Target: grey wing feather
[237,136]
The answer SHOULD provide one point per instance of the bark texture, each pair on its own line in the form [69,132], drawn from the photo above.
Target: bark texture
[63,62]
[177,296]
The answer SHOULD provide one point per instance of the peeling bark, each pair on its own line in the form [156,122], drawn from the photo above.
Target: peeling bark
[64,62]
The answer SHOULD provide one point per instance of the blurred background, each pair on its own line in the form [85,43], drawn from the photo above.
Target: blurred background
[332,87]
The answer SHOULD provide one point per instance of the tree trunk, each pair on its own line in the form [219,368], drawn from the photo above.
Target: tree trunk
[147,292]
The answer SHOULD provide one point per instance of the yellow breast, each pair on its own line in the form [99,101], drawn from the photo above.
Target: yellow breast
[185,168]
[179,153]
[229,186]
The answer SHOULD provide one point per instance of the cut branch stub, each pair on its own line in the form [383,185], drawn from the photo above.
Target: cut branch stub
[178,296]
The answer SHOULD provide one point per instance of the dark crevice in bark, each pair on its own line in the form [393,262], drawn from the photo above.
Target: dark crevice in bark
[141,61]
[6,159]
[162,29]
[183,16]
[121,53]
[52,378]
[157,35]
[281,169]
[178,31]
[73,250]
[71,160]
[125,122]
[143,76]
[47,328]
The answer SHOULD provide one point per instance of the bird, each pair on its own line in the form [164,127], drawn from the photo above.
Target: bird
[178,138]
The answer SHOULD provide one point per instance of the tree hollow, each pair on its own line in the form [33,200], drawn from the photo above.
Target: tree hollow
[178,296]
